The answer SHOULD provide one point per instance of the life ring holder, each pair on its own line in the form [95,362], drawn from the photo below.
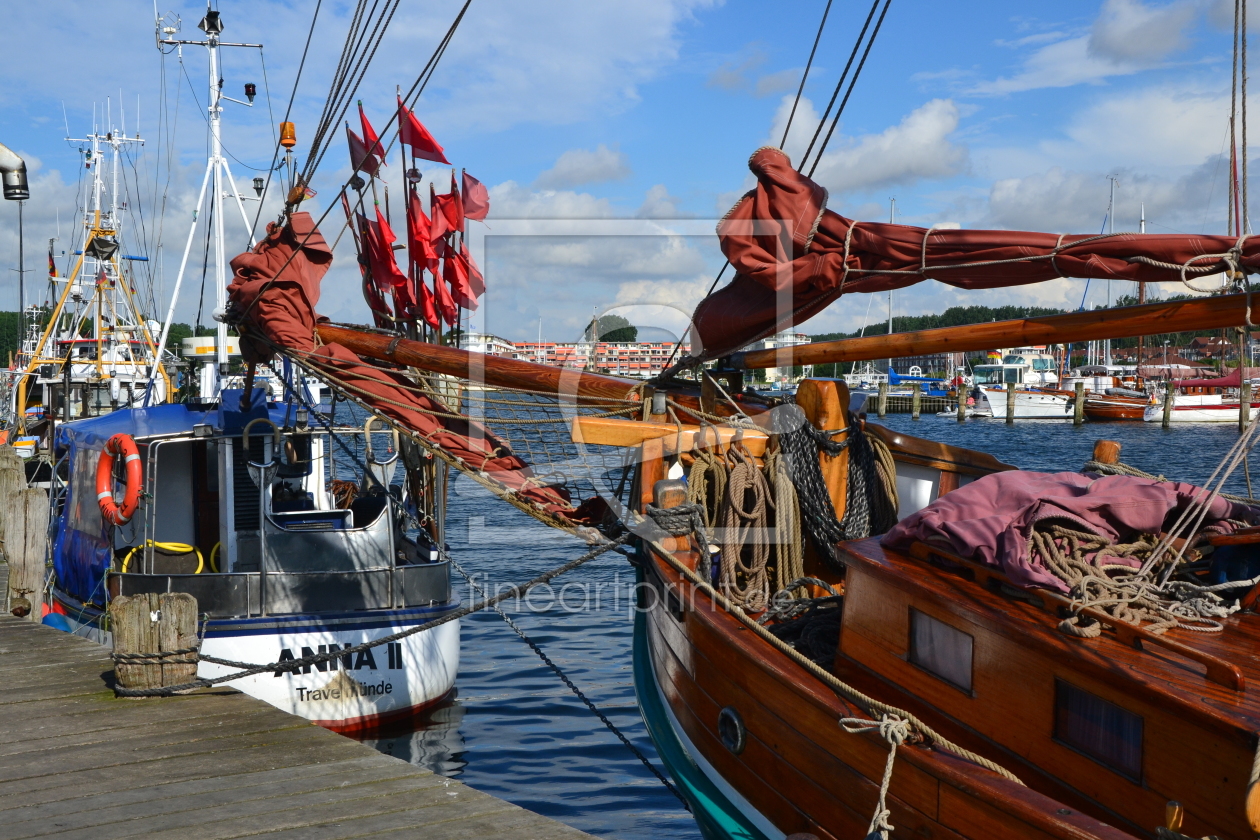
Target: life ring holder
[113,513]
[262,474]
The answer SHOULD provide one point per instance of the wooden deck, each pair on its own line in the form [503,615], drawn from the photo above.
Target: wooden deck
[76,762]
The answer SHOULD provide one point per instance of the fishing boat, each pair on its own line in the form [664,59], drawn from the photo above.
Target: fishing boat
[95,350]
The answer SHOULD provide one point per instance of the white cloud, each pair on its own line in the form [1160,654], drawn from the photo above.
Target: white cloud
[659,204]
[1128,36]
[917,148]
[1129,30]
[585,166]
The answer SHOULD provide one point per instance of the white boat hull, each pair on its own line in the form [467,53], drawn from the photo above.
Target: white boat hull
[1029,405]
[1220,413]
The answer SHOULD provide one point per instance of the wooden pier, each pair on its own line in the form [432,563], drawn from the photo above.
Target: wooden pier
[77,762]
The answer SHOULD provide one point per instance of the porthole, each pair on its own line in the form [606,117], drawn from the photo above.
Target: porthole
[731,730]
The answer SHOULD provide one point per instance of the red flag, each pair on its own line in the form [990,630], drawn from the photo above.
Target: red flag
[371,141]
[419,235]
[427,310]
[456,206]
[446,214]
[381,312]
[445,305]
[476,198]
[439,227]
[405,303]
[360,160]
[476,281]
[392,274]
[412,133]
[455,273]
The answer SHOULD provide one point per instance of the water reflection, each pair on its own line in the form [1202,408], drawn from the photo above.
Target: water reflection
[433,741]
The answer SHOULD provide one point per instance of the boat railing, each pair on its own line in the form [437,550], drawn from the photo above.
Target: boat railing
[246,594]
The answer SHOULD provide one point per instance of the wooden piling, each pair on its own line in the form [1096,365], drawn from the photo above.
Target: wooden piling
[962,403]
[1107,452]
[1078,405]
[163,627]
[1244,406]
[881,405]
[1168,405]
[23,536]
[1010,403]
[916,400]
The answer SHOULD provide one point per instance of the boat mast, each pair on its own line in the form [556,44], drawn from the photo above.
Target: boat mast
[217,177]
[892,220]
[1111,228]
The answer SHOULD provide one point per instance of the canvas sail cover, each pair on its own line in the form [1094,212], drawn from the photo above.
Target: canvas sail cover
[793,257]
[273,294]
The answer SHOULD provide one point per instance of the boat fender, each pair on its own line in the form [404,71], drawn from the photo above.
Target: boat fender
[119,444]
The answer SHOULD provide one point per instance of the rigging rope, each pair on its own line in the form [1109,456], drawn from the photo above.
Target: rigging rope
[805,76]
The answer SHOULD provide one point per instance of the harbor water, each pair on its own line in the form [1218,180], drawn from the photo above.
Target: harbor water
[517,732]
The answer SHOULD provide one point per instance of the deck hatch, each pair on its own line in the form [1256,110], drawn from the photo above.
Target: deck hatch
[1107,733]
[941,650]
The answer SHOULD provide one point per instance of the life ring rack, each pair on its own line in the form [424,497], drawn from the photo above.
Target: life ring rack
[124,445]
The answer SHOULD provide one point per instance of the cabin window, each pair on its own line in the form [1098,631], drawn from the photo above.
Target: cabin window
[940,650]
[1013,376]
[1098,728]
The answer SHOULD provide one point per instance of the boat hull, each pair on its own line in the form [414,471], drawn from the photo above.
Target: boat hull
[1219,413]
[1029,405]
[351,694]
[1107,410]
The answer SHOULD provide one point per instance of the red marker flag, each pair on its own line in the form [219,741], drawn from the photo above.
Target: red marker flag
[476,281]
[445,305]
[476,198]
[455,273]
[439,227]
[419,236]
[427,309]
[456,206]
[360,160]
[370,140]
[389,271]
[412,133]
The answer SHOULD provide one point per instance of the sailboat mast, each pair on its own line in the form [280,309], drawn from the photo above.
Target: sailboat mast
[216,164]
[892,220]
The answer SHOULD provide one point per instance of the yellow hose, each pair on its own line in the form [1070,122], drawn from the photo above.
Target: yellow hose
[174,548]
[214,553]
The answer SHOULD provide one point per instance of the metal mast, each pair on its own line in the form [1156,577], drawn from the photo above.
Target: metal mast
[216,178]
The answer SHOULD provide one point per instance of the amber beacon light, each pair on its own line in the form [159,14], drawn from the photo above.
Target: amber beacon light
[288,135]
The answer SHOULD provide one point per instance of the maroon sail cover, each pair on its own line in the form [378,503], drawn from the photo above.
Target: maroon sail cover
[274,290]
[790,256]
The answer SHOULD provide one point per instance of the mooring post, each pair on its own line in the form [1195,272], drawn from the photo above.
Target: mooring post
[23,533]
[1010,403]
[916,399]
[962,402]
[1244,406]
[1168,403]
[162,628]
[881,405]
[1078,405]
[1107,451]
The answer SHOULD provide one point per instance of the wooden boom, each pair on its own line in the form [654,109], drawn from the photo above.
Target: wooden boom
[1125,322]
[479,368]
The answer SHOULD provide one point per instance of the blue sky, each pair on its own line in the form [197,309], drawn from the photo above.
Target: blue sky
[612,134]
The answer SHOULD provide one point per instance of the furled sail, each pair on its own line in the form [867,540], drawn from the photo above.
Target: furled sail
[793,257]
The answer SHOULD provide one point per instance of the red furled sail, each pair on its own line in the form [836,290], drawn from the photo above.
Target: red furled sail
[360,159]
[370,140]
[476,198]
[273,310]
[412,133]
[793,257]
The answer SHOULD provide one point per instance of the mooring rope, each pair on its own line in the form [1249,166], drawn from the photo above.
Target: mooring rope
[248,669]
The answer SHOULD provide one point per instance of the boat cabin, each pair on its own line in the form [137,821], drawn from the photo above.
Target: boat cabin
[247,510]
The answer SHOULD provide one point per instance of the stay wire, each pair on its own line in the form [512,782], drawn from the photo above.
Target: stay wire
[612,727]
[275,155]
[856,74]
[857,44]
[332,204]
[805,76]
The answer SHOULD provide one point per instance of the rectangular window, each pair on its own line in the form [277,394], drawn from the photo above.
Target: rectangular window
[940,649]
[1099,728]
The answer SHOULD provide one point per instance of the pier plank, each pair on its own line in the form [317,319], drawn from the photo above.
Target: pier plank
[77,762]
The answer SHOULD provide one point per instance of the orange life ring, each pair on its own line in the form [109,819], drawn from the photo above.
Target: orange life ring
[119,444]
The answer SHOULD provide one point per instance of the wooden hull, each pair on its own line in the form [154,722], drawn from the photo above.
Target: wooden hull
[799,771]
[1114,409]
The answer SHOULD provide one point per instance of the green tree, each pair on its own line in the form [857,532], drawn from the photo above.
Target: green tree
[614,328]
